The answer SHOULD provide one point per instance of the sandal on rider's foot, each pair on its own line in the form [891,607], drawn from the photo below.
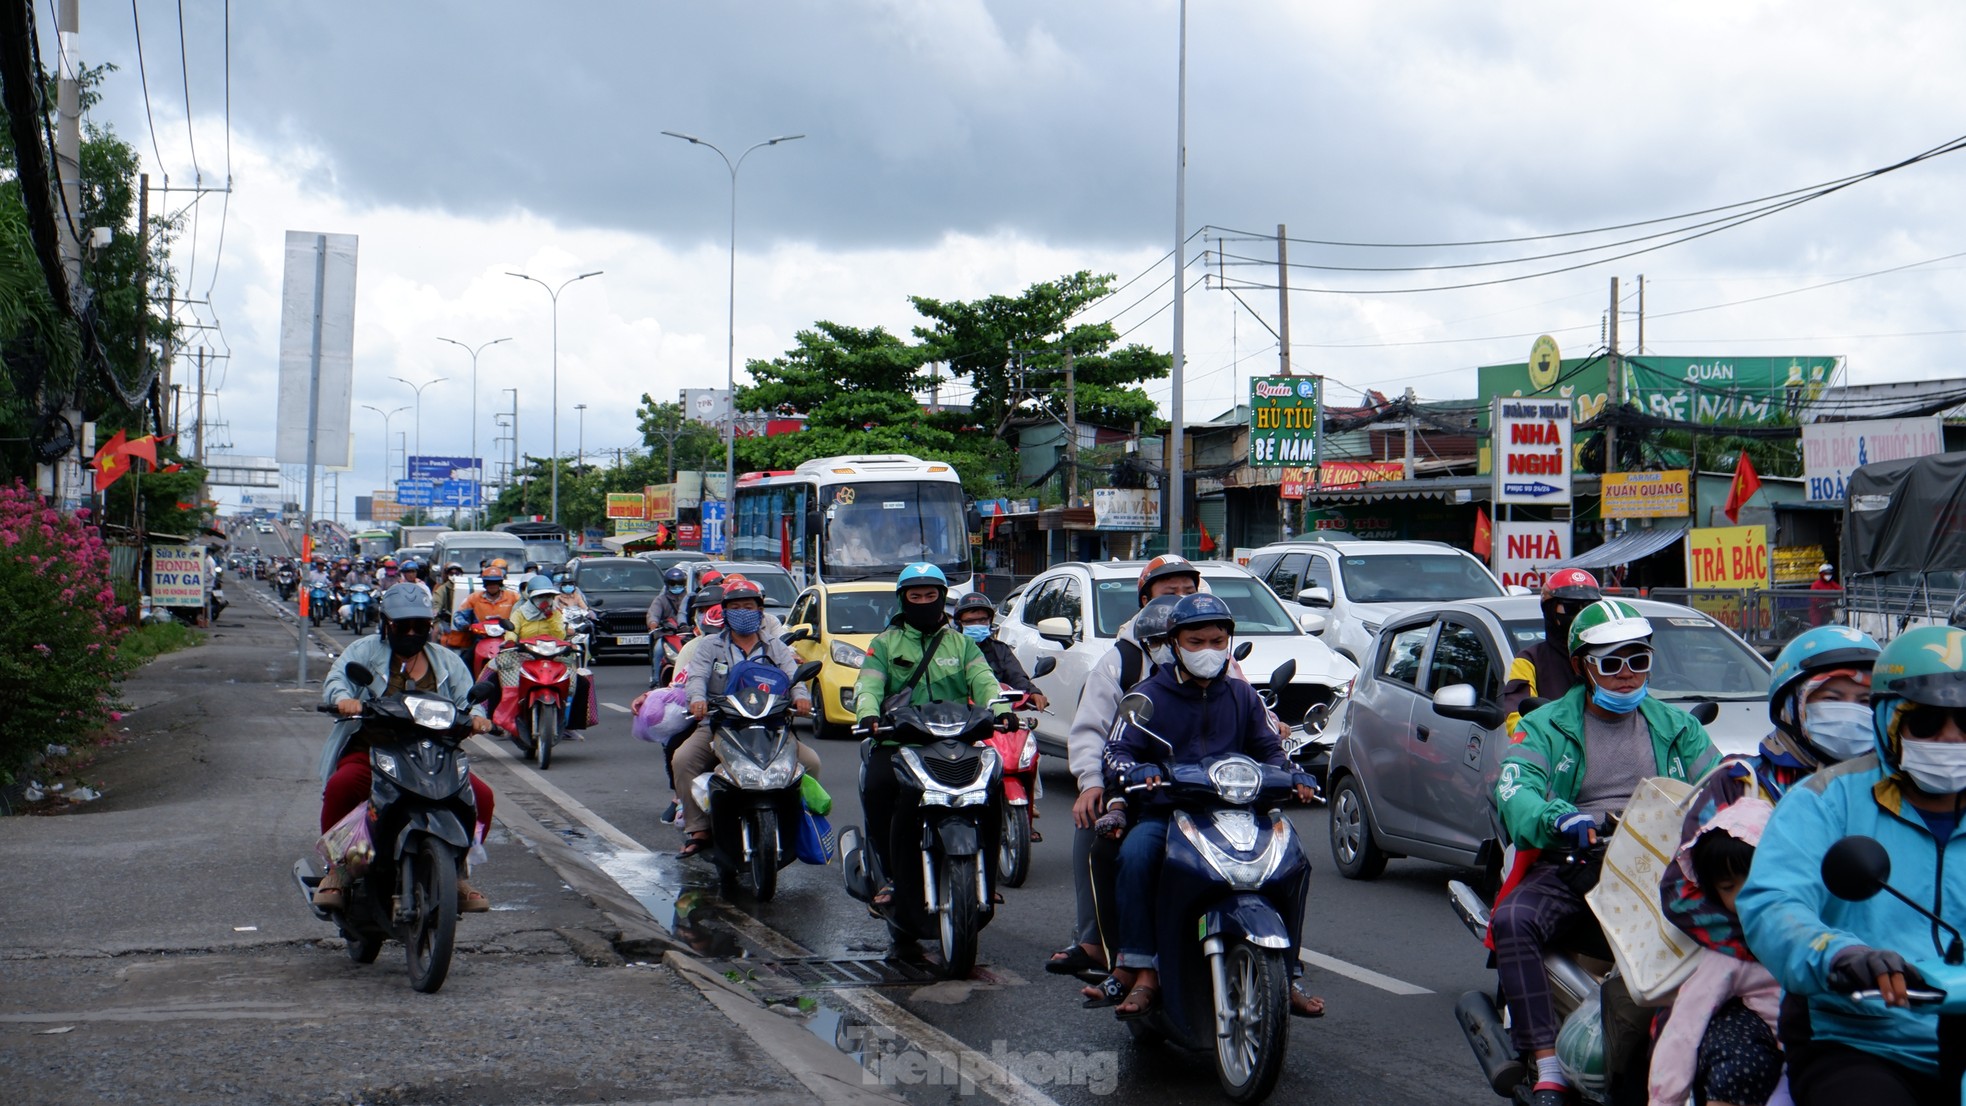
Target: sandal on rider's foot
[1035,835]
[470,900]
[1140,1001]
[329,894]
[996,898]
[1304,1004]
[1107,992]
[882,900]
[1072,960]
[695,843]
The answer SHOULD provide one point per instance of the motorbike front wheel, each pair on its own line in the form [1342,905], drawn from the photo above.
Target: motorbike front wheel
[764,854]
[365,948]
[1249,1057]
[545,731]
[1014,850]
[960,925]
[433,933]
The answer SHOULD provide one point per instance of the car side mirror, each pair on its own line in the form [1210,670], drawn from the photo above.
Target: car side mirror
[1705,711]
[1136,708]
[792,637]
[1517,589]
[1315,597]
[359,674]
[806,671]
[1311,622]
[1459,701]
[1243,650]
[1058,629]
[1044,666]
[1856,868]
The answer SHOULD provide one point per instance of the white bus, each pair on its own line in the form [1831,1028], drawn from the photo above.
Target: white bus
[836,519]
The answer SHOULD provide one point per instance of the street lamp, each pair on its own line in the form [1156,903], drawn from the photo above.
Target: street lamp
[418,389]
[730,350]
[555,293]
[477,494]
[386,416]
[580,439]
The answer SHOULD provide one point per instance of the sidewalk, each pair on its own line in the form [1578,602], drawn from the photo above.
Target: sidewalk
[153,947]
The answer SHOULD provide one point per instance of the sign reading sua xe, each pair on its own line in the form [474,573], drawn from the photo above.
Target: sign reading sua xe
[1284,416]
[1531,448]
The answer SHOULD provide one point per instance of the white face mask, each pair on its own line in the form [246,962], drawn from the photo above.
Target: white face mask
[1205,663]
[1839,730]
[1160,655]
[1937,767]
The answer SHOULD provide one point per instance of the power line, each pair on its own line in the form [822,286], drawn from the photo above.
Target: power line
[225,202]
[144,77]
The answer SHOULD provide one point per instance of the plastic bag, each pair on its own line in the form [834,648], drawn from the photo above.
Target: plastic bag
[347,843]
[663,715]
[699,789]
[815,844]
[815,796]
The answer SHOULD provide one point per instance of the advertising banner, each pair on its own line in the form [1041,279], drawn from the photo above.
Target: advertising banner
[1522,548]
[1731,558]
[1532,450]
[627,505]
[1796,564]
[706,405]
[688,535]
[177,575]
[383,507]
[1284,414]
[1125,509]
[1647,494]
[1830,450]
[1293,483]
[445,468]
[1357,474]
[319,271]
[660,502]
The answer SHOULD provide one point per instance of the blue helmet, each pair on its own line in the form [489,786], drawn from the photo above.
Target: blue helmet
[919,574]
[1810,652]
[1200,609]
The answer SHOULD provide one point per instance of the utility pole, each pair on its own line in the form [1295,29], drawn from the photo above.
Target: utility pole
[1407,469]
[580,439]
[1283,302]
[201,407]
[1641,314]
[68,142]
[1071,429]
[1175,440]
[143,282]
[1616,389]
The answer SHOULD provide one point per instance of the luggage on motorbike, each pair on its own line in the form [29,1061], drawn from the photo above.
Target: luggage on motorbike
[817,799]
[664,714]
[816,843]
[586,711]
[1653,956]
[347,844]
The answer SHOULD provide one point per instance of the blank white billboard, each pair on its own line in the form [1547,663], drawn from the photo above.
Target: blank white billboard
[335,275]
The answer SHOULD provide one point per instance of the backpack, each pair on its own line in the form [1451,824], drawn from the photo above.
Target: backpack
[760,674]
[1133,664]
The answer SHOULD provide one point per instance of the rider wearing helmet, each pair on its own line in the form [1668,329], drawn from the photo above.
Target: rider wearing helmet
[410,575]
[402,658]
[951,669]
[539,615]
[974,615]
[672,606]
[1205,712]
[493,600]
[1909,796]
[1542,670]
[1566,768]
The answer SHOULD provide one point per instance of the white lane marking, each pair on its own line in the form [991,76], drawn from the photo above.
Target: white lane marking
[574,807]
[617,706]
[1366,976]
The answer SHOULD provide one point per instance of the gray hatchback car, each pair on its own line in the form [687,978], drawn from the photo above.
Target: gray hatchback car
[1420,739]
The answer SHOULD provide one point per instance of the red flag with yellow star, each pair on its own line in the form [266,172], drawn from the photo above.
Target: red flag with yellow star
[110,463]
[144,447]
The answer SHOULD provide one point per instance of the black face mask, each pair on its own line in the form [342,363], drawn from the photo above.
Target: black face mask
[408,640]
[922,616]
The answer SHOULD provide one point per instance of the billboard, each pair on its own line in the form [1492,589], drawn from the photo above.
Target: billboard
[319,274]
[1284,415]
[1125,509]
[1729,558]
[1522,548]
[661,502]
[384,508]
[1665,494]
[707,405]
[626,505]
[1532,450]
[1830,450]
[177,575]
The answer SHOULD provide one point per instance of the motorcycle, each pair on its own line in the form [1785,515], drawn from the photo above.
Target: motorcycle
[419,821]
[669,641]
[538,704]
[320,598]
[1022,787]
[580,634]
[1233,873]
[753,798]
[949,791]
[285,581]
[487,640]
[360,608]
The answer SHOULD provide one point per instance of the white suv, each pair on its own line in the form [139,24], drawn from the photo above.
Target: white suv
[1360,583]
[1073,612]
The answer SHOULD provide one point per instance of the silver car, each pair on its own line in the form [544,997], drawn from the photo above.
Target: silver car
[1420,739]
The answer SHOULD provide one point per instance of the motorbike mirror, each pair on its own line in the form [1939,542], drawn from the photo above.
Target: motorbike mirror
[1044,666]
[1705,712]
[806,672]
[359,674]
[1136,708]
[1242,651]
[480,692]
[1281,677]
[1856,868]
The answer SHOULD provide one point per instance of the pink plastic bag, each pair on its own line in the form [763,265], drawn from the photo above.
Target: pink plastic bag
[347,844]
[664,714]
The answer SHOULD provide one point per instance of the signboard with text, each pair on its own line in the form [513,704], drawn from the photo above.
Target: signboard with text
[1830,450]
[660,501]
[688,535]
[1284,414]
[1356,474]
[177,575]
[1125,509]
[1646,494]
[1523,548]
[626,505]
[1730,558]
[1532,450]
[713,526]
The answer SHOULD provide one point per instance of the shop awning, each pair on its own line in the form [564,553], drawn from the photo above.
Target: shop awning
[620,542]
[1623,549]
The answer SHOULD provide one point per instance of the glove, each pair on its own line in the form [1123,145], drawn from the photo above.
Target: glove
[1007,723]
[1857,968]
[864,728]
[1303,779]
[1576,827]
[462,621]
[1142,775]
[1112,823]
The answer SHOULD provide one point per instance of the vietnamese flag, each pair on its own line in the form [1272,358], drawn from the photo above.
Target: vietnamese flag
[109,462]
[144,447]
[172,467]
[1746,483]
[1484,538]
[1207,542]
[996,516]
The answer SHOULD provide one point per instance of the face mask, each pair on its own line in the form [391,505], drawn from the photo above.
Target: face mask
[922,616]
[406,642]
[1838,730]
[1160,655]
[1937,767]
[675,589]
[978,633]
[566,589]
[1205,663]
[1619,702]
[743,621]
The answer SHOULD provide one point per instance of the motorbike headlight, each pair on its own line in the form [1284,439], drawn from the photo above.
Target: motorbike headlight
[386,764]
[1237,780]
[844,653]
[434,714]
[752,776]
[1241,875]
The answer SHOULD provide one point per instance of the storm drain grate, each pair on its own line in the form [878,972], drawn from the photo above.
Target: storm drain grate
[830,971]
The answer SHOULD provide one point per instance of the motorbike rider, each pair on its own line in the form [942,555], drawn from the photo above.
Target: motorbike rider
[1567,766]
[571,597]
[491,601]
[1909,795]
[1542,670]
[538,614]
[444,599]
[403,654]
[672,606]
[410,575]
[742,639]
[917,635]
[974,614]
[1200,725]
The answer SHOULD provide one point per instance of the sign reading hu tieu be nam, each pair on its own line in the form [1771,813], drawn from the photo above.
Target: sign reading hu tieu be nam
[1284,413]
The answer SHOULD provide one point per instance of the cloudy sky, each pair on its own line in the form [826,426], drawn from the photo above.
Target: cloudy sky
[958,148]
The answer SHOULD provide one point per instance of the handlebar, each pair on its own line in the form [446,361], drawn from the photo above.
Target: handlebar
[1918,996]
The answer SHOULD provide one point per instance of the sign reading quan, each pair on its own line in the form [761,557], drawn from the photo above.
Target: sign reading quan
[1284,415]
[1532,450]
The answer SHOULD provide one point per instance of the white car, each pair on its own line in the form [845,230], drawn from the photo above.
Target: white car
[1359,584]
[1073,612]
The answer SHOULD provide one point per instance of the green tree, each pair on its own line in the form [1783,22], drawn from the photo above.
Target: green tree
[678,441]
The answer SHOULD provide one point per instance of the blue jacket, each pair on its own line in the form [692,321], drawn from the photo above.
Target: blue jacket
[1226,716]
[1795,927]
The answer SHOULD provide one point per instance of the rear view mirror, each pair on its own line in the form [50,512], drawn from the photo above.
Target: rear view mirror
[1516,589]
[1136,708]
[1459,701]
[1044,666]
[1856,868]
[1243,650]
[806,672]
[480,692]
[359,674]
[1057,629]
[802,633]
[1705,712]
[1281,677]
[1315,597]
[1311,622]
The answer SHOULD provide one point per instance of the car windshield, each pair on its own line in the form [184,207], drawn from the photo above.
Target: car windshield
[858,612]
[629,575]
[1256,608]
[548,552]
[472,556]
[1693,657]
[1416,578]
[778,587]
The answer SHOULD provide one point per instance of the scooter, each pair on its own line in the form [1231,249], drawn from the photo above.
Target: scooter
[403,859]
[284,582]
[360,607]
[537,705]
[1233,875]
[1022,787]
[487,642]
[320,598]
[945,813]
[669,641]
[753,796]
[580,634]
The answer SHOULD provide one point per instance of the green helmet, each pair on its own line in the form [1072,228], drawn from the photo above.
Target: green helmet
[1926,665]
[1580,1050]
[1607,622]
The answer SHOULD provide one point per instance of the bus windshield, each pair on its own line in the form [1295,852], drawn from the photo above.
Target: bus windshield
[548,551]
[875,528]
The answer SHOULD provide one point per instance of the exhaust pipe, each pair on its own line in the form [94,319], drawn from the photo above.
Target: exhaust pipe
[1493,1050]
[1469,907]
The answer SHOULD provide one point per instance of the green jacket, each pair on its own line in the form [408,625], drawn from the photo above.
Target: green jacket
[1544,765]
[957,673]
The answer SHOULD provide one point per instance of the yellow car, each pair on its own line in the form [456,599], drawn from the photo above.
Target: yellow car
[839,623]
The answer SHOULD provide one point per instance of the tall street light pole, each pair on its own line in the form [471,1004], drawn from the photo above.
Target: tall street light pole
[386,416]
[478,495]
[580,438]
[555,293]
[418,389]
[730,352]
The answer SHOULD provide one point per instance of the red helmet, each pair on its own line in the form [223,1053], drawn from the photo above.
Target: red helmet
[1573,584]
[1170,564]
[737,587]
[710,576]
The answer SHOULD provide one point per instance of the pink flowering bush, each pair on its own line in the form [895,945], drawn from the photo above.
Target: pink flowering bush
[60,619]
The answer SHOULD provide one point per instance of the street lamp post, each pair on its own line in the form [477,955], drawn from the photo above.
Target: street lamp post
[418,389]
[580,439]
[730,349]
[555,293]
[478,494]
[386,416]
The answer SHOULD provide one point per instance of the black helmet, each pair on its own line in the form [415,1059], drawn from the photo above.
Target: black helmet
[974,601]
[675,575]
[705,598]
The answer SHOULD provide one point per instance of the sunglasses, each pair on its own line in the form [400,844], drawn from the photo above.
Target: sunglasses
[1926,722]
[1638,664]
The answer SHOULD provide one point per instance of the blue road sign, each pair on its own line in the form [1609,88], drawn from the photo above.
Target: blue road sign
[713,527]
[445,468]
[416,493]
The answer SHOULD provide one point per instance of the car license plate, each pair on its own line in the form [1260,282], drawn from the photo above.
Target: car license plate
[632,639]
